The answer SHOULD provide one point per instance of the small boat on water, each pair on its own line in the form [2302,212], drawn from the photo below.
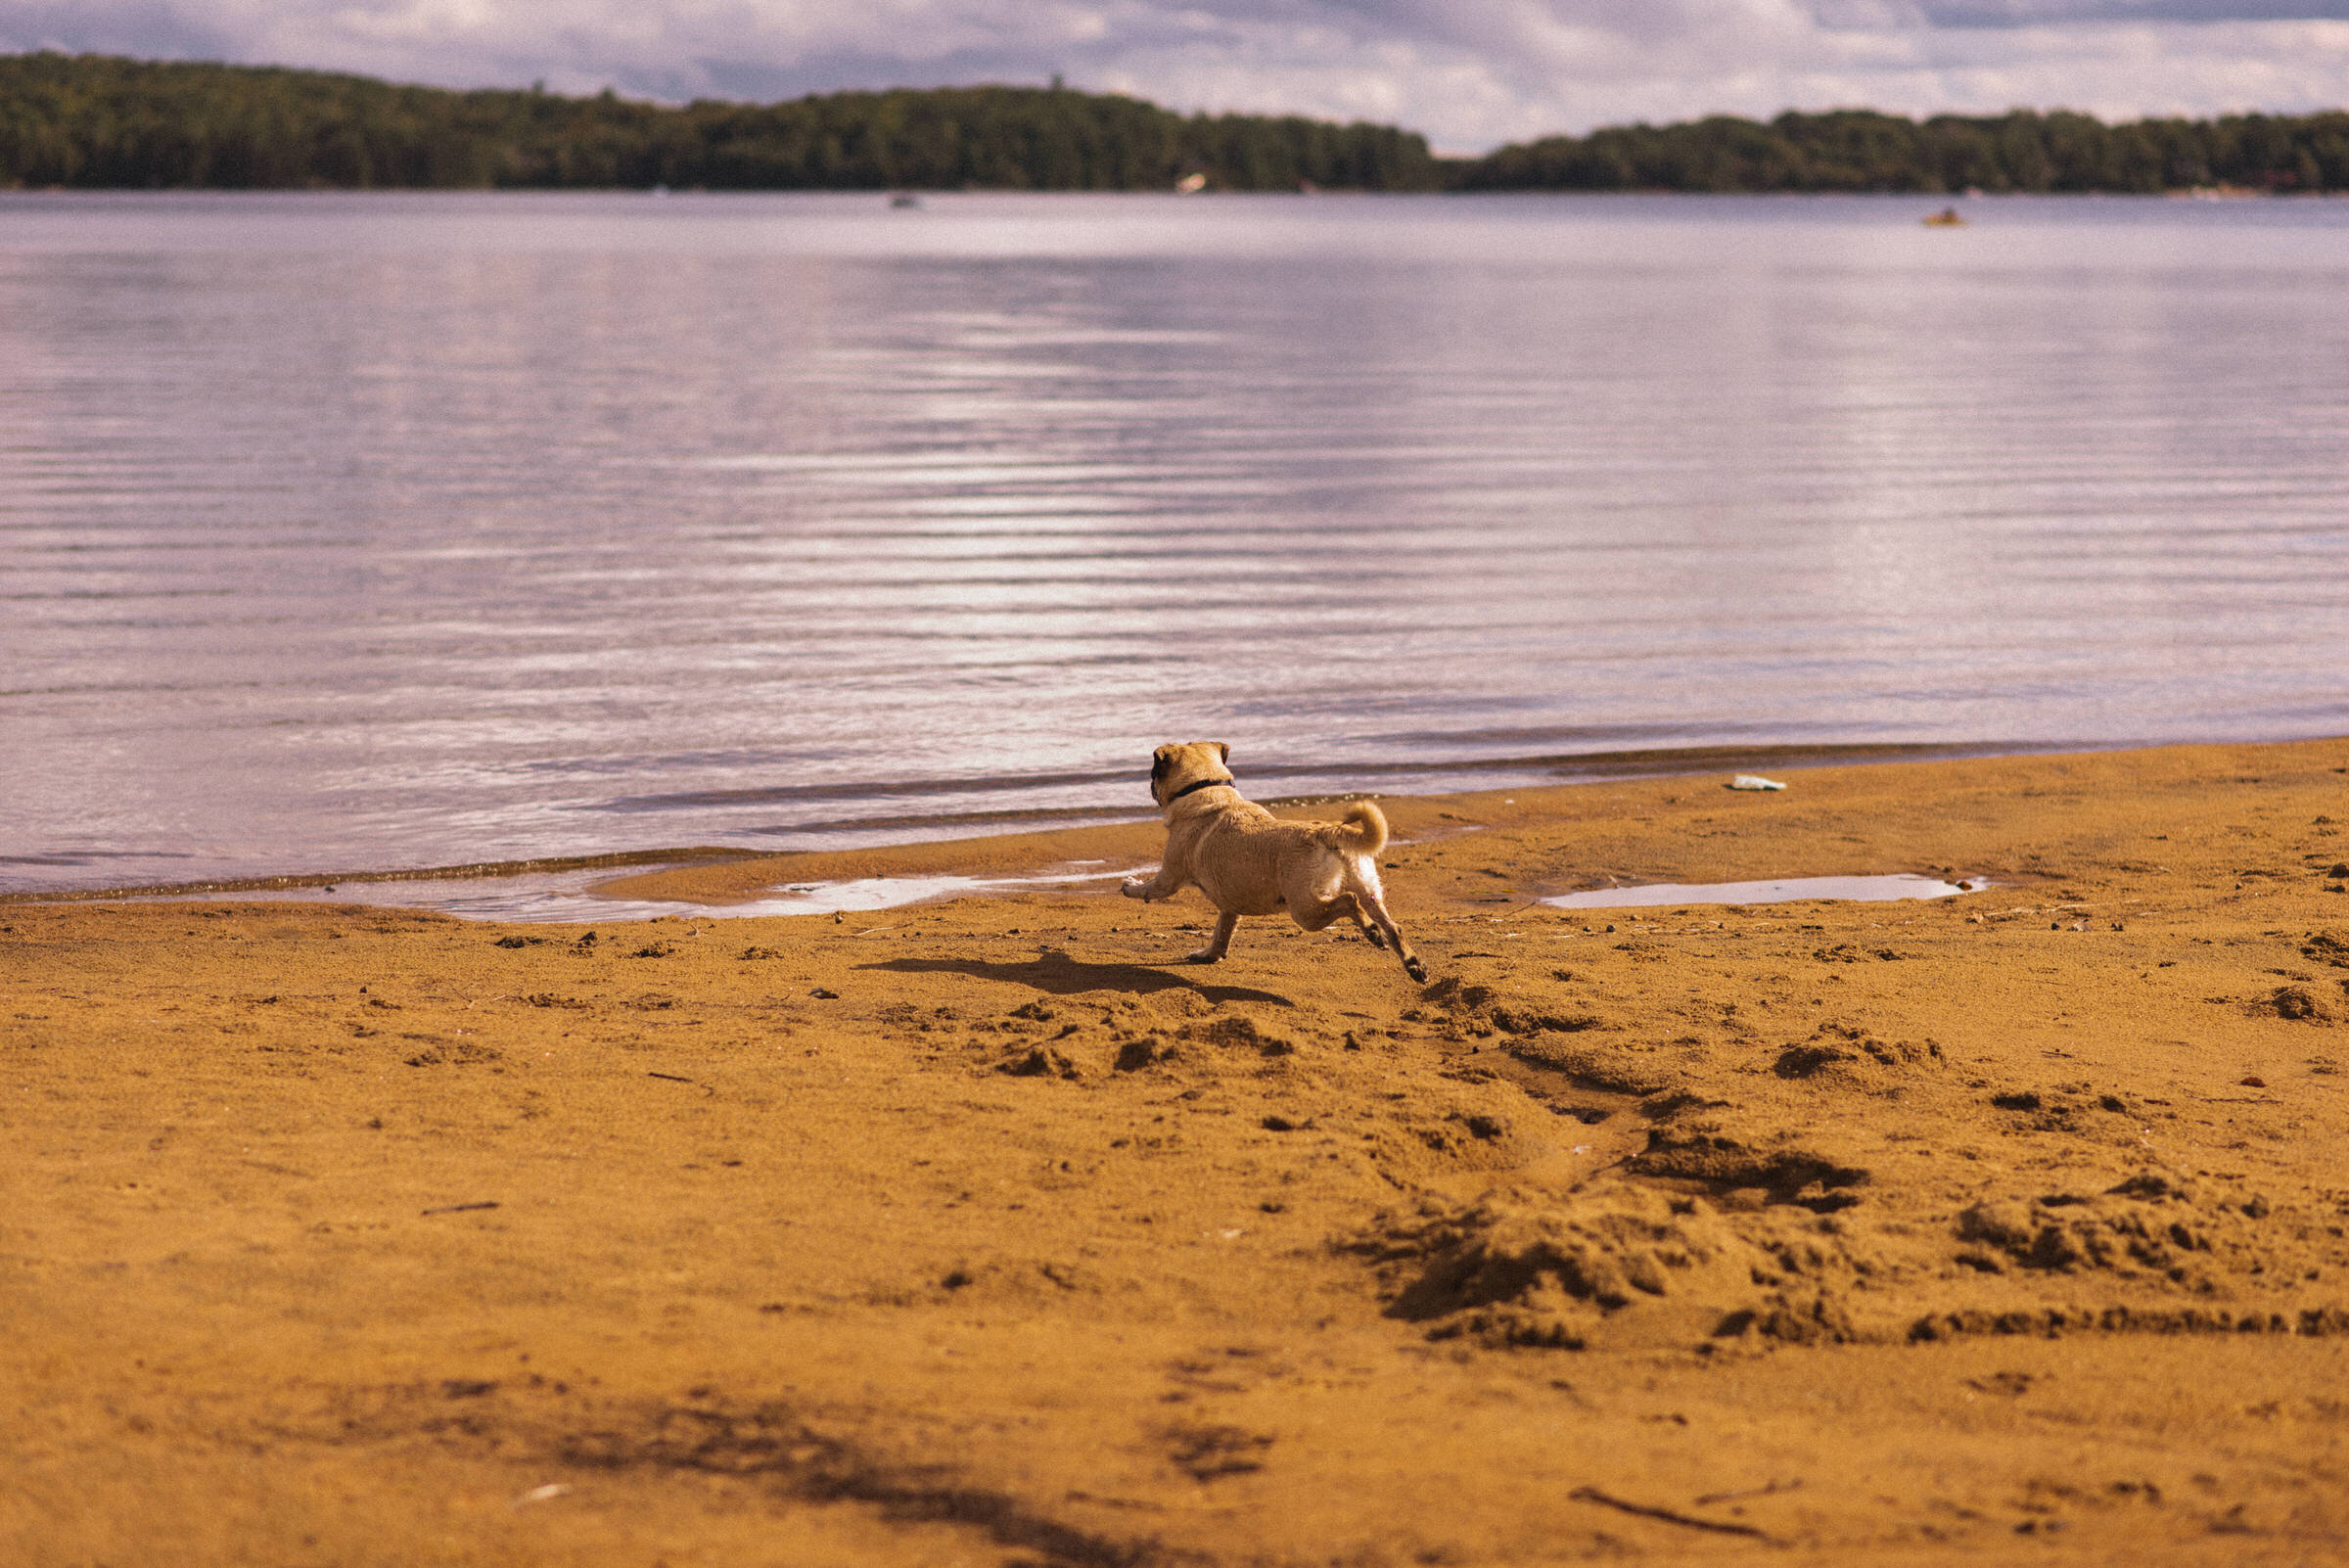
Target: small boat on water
[1947,219]
[905,199]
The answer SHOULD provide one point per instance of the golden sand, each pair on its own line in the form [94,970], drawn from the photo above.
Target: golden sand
[2008,1228]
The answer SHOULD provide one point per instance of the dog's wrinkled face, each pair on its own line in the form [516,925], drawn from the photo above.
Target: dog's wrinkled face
[1178,768]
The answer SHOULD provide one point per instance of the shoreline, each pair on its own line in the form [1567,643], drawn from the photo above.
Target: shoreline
[1568,770]
[990,1228]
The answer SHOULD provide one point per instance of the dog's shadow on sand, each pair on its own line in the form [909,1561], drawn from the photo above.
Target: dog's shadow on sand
[1057,974]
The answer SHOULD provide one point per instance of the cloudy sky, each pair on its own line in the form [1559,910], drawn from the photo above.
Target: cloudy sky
[1471,73]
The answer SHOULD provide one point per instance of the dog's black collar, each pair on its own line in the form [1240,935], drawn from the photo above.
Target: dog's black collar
[1203,784]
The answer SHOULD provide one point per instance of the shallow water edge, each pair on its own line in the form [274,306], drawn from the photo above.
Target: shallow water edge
[506,891]
[37,878]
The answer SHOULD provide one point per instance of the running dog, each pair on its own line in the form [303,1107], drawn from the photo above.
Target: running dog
[1249,862]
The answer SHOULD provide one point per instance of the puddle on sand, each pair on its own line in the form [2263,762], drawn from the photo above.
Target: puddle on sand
[569,896]
[1786,889]
[881,893]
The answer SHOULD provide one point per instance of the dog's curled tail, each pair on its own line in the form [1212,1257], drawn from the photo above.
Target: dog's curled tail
[1363,830]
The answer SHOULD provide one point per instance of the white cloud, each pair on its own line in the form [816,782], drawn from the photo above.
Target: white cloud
[1470,72]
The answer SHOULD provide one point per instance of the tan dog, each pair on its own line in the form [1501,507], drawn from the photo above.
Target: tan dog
[1249,862]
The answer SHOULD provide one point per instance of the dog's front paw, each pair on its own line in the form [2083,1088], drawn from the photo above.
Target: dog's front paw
[1375,937]
[1205,956]
[1135,888]
[1415,969]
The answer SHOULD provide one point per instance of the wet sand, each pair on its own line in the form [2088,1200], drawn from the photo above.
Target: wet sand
[2003,1227]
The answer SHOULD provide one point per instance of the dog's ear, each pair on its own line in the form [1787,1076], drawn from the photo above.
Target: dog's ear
[1226,748]
[1159,760]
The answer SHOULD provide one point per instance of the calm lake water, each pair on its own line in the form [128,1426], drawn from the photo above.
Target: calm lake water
[340,531]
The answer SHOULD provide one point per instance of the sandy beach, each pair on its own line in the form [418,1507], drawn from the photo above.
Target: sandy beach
[2001,1227]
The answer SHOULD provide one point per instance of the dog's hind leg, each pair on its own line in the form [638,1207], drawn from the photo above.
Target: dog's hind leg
[1219,943]
[1377,911]
[1359,894]
[1313,916]
[1319,890]
[1348,903]
[1344,903]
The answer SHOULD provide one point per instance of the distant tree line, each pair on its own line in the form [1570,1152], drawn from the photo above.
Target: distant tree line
[1858,150]
[98,121]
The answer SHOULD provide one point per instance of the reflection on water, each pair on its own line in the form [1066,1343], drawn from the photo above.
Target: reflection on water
[344,530]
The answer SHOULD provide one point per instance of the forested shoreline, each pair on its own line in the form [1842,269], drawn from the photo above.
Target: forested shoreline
[1859,150]
[92,121]
[100,122]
